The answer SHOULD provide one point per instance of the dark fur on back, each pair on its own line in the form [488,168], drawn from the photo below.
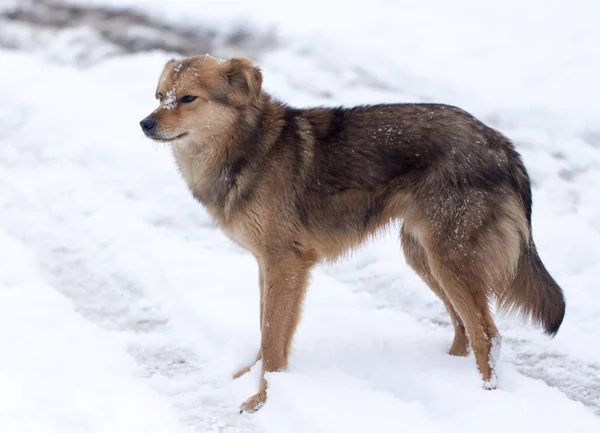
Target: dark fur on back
[368,148]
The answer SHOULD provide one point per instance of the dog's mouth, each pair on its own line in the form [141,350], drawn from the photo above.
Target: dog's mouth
[165,139]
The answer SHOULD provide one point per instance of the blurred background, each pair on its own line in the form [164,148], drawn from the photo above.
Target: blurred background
[124,309]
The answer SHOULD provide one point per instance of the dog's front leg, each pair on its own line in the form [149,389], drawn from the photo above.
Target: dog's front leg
[285,281]
[261,287]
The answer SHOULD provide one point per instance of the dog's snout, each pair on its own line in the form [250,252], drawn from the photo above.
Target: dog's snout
[148,124]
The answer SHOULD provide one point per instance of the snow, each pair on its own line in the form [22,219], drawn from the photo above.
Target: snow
[59,372]
[123,309]
[170,99]
[492,383]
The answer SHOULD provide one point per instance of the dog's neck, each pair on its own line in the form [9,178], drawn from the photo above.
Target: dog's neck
[211,168]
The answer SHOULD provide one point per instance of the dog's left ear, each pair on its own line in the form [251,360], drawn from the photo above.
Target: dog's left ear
[245,79]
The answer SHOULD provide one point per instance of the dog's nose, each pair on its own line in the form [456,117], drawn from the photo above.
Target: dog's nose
[148,124]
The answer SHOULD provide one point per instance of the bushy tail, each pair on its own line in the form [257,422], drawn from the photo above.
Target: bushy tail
[534,293]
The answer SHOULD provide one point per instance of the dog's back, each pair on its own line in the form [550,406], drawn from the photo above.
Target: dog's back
[352,170]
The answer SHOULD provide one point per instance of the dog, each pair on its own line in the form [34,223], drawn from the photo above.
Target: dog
[296,187]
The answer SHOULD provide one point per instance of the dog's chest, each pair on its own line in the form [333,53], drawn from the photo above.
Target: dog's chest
[212,190]
[239,233]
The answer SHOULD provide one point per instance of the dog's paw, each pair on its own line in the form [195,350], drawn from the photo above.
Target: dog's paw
[254,403]
[241,372]
[490,384]
[244,370]
[458,350]
[460,346]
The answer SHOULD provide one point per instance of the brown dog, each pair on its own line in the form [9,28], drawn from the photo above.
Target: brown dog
[297,186]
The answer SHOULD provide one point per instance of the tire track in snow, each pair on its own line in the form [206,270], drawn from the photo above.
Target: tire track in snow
[177,371]
[578,380]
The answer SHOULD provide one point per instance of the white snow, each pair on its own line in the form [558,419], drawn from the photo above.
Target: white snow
[492,383]
[170,99]
[123,309]
[59,372]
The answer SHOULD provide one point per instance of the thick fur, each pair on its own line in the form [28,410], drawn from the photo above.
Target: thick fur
[298,186]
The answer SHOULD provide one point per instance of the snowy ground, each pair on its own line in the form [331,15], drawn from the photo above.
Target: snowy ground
[123,309]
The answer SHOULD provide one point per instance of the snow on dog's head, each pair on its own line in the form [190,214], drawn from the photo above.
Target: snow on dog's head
[201,97]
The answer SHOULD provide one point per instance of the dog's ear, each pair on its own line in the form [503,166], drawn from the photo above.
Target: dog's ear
[244,78]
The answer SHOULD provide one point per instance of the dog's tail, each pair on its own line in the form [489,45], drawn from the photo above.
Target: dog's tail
[534,293]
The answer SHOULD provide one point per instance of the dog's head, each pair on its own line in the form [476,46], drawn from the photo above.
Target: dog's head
[201,97]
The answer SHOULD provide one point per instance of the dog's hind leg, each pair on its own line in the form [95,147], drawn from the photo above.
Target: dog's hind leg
[416,257]
[467,290]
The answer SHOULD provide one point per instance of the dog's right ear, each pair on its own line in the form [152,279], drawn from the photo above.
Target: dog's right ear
[244,80]
[168,65]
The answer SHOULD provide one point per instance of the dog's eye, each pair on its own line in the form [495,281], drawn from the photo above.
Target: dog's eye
[161,97]
[187,99]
